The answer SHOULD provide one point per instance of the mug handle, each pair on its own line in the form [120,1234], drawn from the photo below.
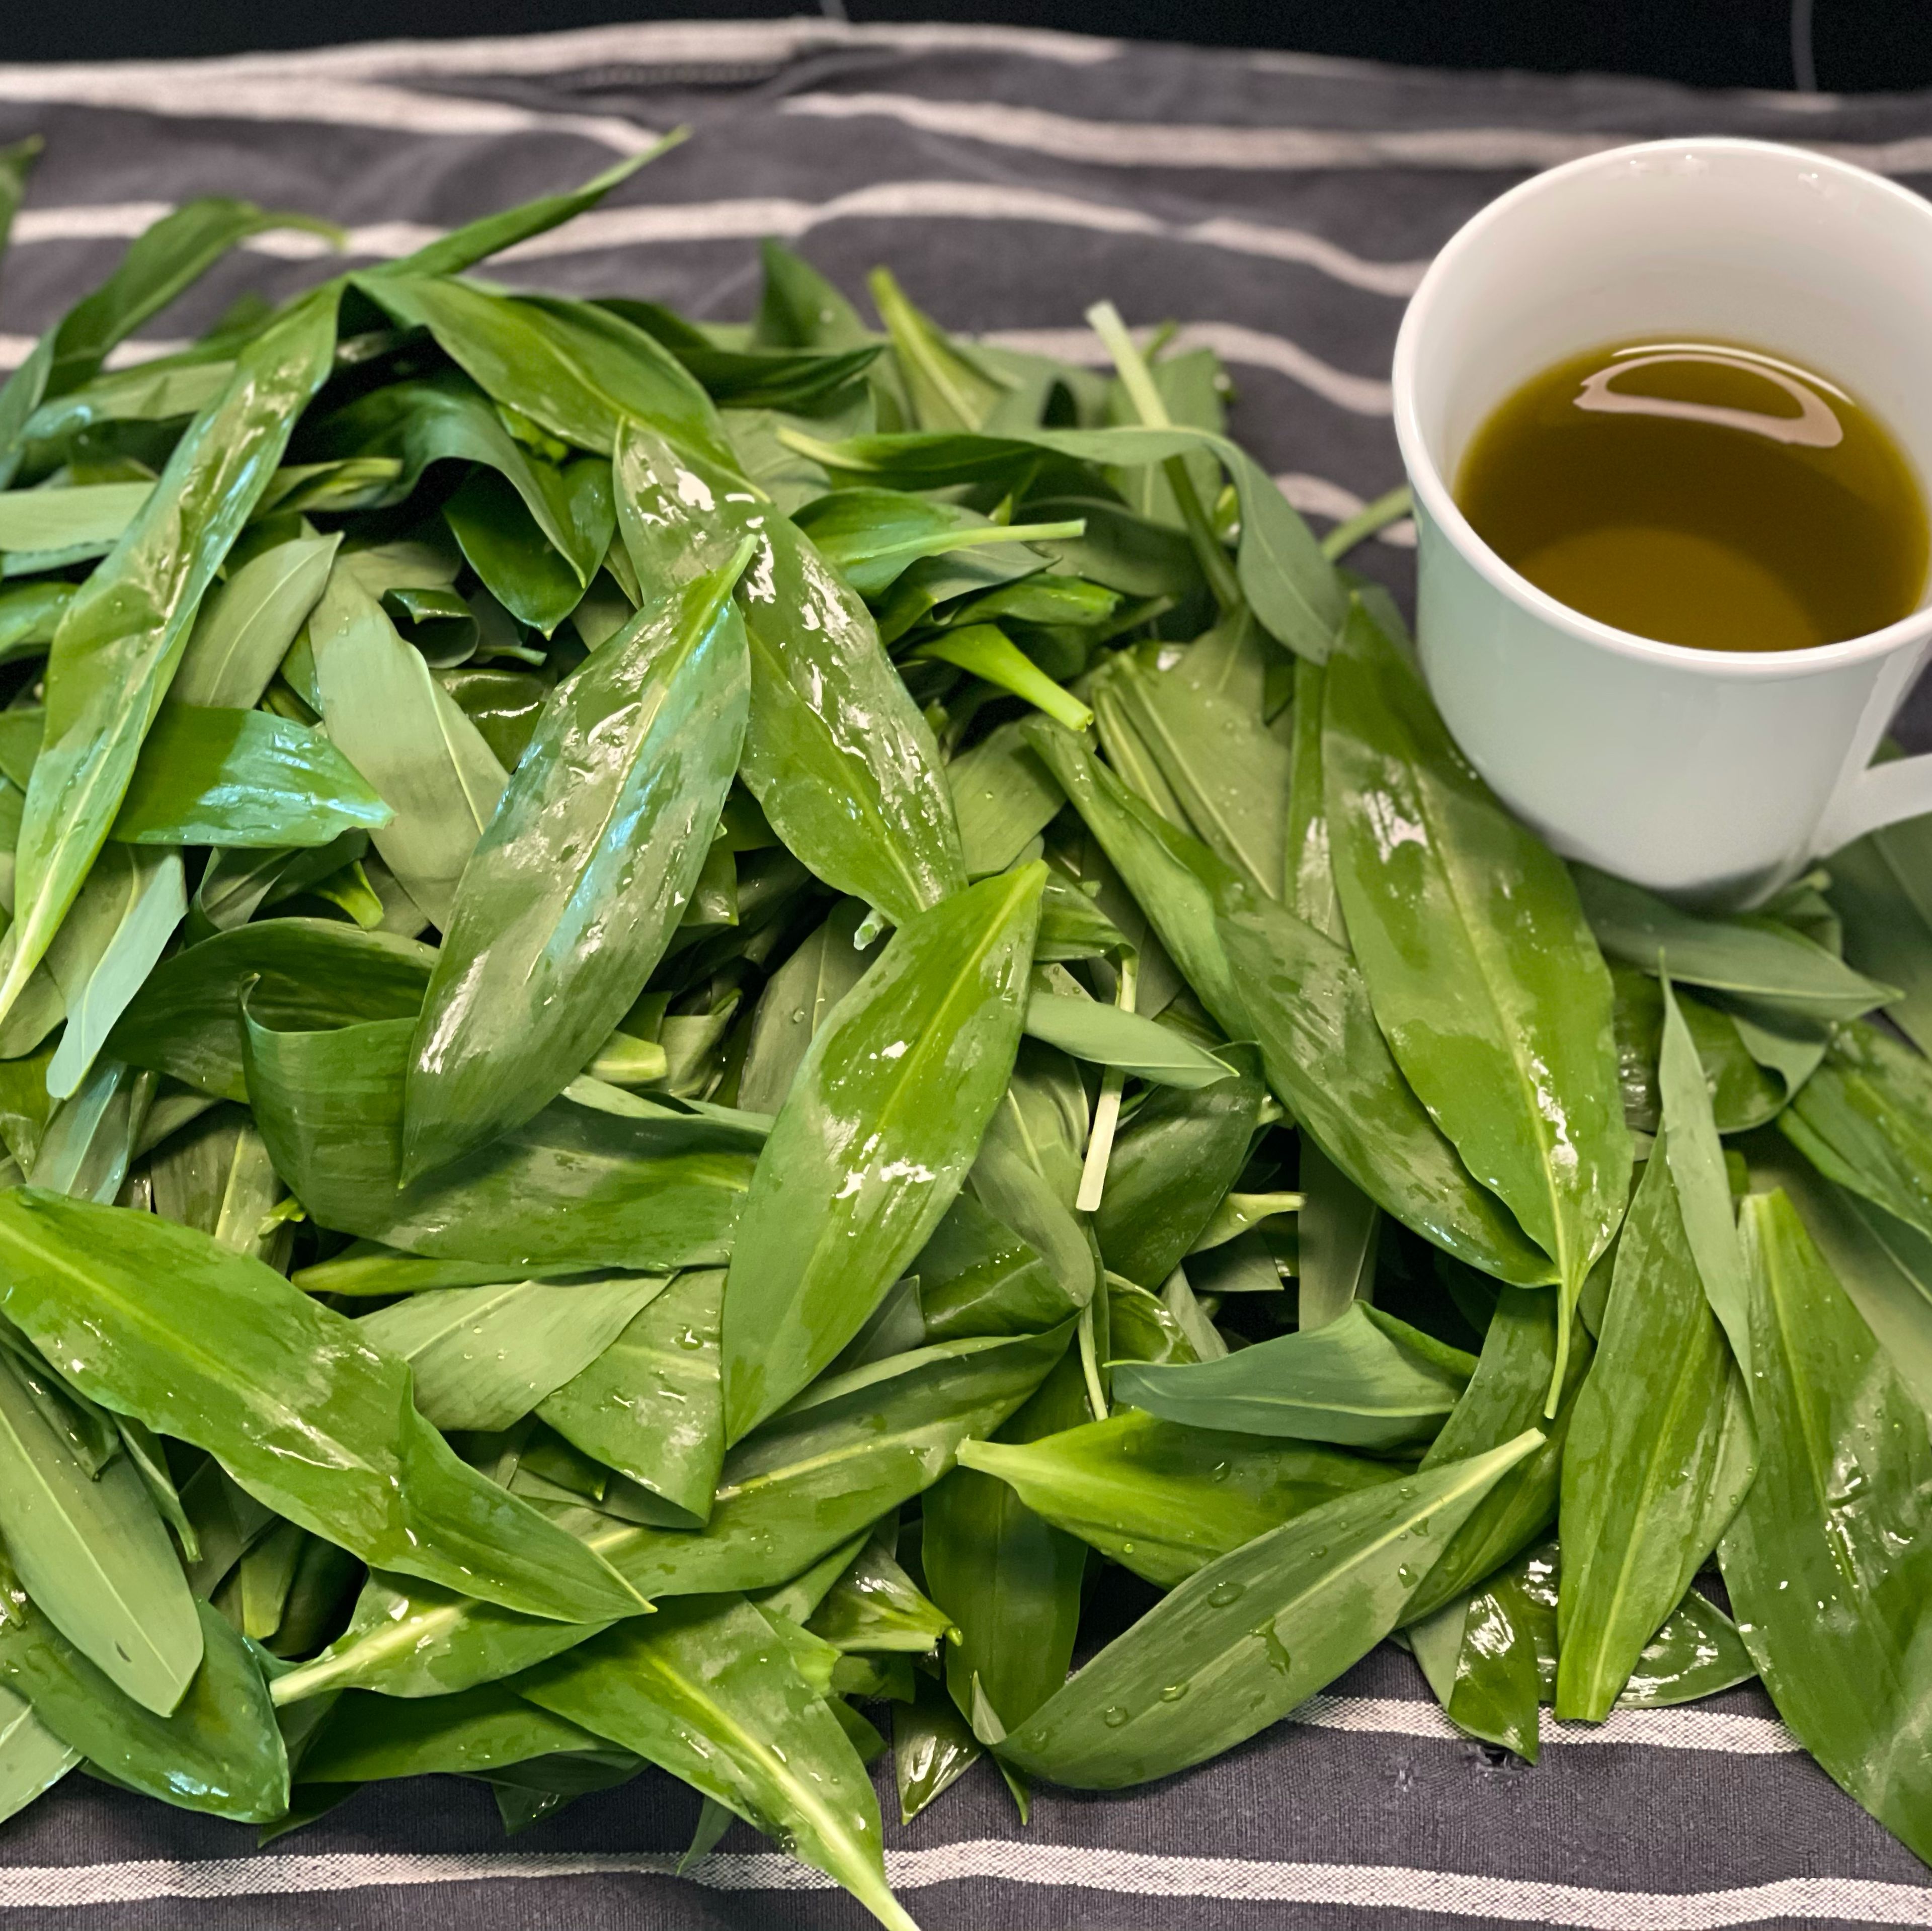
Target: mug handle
[1879,796]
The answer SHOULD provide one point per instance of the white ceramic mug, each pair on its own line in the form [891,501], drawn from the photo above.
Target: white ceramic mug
[1706,773]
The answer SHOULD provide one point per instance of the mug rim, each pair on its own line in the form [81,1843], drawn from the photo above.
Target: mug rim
[1432,494]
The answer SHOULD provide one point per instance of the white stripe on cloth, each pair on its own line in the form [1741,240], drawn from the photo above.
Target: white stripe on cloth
[1371,1887]
[670,43]
[1316,495]
[1681,1728]
[184,90]
[756,216]
[1233,342]
[1168,145]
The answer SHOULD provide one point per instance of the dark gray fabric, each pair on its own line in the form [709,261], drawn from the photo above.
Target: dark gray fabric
[1336,175]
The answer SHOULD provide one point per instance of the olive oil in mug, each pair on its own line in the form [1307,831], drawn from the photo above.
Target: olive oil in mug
[1700,493]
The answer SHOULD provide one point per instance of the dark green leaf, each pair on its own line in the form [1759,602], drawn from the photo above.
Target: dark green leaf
[568,902]
[809,1480]
[1748,957]
[874,1138]
[1241,1643]
[122,636]
[1741,1096]
[245,625]
[1171,1165]
[186,1020]
[1008,1579]
[1826,1562]
[1864,1120]
[241,777]
[650,1406]
[91,1551]
[1484,976]
[409,739]
[1508,1392]
[219,1751]
[482,1357]
[1164,1499]
[868,809]
[1365,1379]
[1657,1456]
[707,1689]
[798,999]
[311,1420]
[364,1738]
[624,1184]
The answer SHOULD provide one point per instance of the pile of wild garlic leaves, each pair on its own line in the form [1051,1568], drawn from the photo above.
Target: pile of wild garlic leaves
[708,1028]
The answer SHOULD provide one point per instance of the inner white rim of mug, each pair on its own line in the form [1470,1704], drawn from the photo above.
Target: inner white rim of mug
[1435,497]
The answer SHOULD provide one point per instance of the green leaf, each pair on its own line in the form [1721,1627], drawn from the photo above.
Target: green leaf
[977,1276]
[520,564]
[1367,1379]
[212,1347]
[1657,1456]
[1827,1561]
[160,263]
[874,1606]
[365,1737]
[1003,799]
[580,879]
[1290,586]
[186,1019]
[1483,973]
[1337,1236]
[1741,1095]
[809,1480]
[633,1186]
[219,1751]
[91,1551]
[482,1357]
[870,536]
[236,778]
[577,370]
[1879,888]
[126,914]
[1864,1120]
[933,1746]
[797,1000]
[874,1138]
[1508,1392]
[1109,1036]
[1505,1647]
[32,1758]
[1164,1499]
[1240,1644]
[799,309]
[86,516]
[123,634]
[1008,1579]
[245,626]
[1697,1652]
[1702,1185]
[409,738]
[868,810]
[1265,975]
[1749,957]
[1884,1266]
[1202,722]
[476,241]
[651,1404]
[706,1690]
[446,419]
[1172,1165]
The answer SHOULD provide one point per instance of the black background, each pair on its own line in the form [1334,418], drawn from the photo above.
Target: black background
[1856,46]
